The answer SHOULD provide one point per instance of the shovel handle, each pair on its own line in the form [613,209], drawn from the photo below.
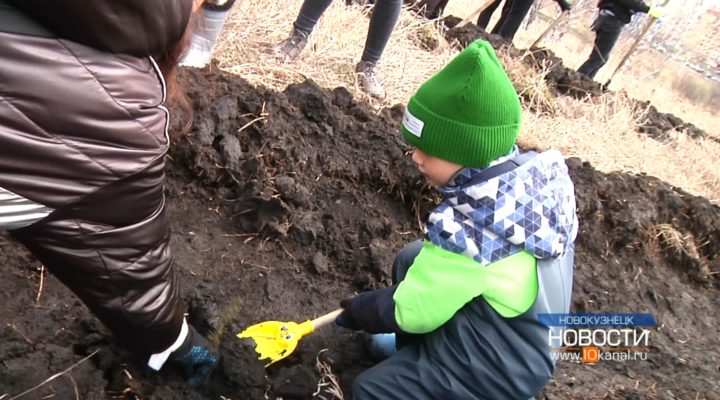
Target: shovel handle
[326,319]
[562,17]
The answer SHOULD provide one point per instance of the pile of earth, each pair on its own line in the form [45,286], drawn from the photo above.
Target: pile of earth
[567,81]
[282,204]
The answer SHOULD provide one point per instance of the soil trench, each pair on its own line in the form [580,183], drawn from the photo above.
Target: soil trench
[282,204]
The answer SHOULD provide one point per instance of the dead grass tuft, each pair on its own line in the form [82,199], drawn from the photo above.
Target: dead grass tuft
[328,385]
[529,83]
[602,130]
[669,237]
[682,250]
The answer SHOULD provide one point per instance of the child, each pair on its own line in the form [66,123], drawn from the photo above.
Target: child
[498,250]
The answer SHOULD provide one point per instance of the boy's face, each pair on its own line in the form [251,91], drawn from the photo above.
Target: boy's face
[437,171]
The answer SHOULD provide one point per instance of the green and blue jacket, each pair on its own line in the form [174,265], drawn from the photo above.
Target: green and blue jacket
[483,240]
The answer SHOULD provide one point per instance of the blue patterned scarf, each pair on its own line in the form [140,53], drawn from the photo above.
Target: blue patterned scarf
[529,208]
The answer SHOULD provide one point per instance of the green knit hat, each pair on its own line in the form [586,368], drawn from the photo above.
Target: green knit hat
[467,113]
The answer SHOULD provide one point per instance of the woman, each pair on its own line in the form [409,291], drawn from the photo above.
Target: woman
[382,21]
[83,135]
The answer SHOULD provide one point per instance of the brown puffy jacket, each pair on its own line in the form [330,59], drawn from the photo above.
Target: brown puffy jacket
[135,27]
[83,135]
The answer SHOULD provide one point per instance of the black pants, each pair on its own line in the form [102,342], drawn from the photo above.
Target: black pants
[513,14]
[382,21]
[484,17]
[607,30]
[432,8]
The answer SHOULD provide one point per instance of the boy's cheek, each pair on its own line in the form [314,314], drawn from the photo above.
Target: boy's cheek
[434,182]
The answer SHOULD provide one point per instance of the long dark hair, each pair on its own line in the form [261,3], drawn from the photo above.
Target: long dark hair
[177,98]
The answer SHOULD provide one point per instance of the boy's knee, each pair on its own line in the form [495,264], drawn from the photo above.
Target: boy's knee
[408,253]
[377,383]
[360,386]
[404,259]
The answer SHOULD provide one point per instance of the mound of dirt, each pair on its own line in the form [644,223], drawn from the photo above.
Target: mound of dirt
[284,203]
[567,81]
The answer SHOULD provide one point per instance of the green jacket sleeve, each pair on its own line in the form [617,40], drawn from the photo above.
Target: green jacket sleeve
[440,282]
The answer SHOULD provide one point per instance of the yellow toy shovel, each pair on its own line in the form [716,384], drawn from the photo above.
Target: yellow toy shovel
[275,340]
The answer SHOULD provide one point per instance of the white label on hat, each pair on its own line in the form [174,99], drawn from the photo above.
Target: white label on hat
[412,123]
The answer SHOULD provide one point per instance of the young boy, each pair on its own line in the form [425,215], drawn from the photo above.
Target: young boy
[497,251]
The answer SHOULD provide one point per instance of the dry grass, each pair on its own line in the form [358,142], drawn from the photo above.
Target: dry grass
[601,131]
[329,384]
[682,248]
[671,238]
[333,49]
[648,75]
[529,83]
[663,86]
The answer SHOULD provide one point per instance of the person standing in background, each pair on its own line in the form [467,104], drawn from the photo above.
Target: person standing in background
[612,16]
[513,14]
[384,15]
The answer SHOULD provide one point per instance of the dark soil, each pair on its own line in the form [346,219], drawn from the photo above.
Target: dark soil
[282,204]
[567,81]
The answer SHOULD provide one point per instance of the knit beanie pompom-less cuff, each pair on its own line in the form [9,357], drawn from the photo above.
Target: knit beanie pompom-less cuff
[467,113]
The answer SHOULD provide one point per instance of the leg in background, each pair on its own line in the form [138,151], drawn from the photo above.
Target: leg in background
[514,18]
[605,40]
[484,18]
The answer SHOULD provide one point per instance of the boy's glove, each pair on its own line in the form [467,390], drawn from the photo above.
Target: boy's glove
[196,357]
[656,12]
[346,320]
[372,311]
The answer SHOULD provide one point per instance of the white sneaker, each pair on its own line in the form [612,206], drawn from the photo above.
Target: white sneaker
[369,82]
